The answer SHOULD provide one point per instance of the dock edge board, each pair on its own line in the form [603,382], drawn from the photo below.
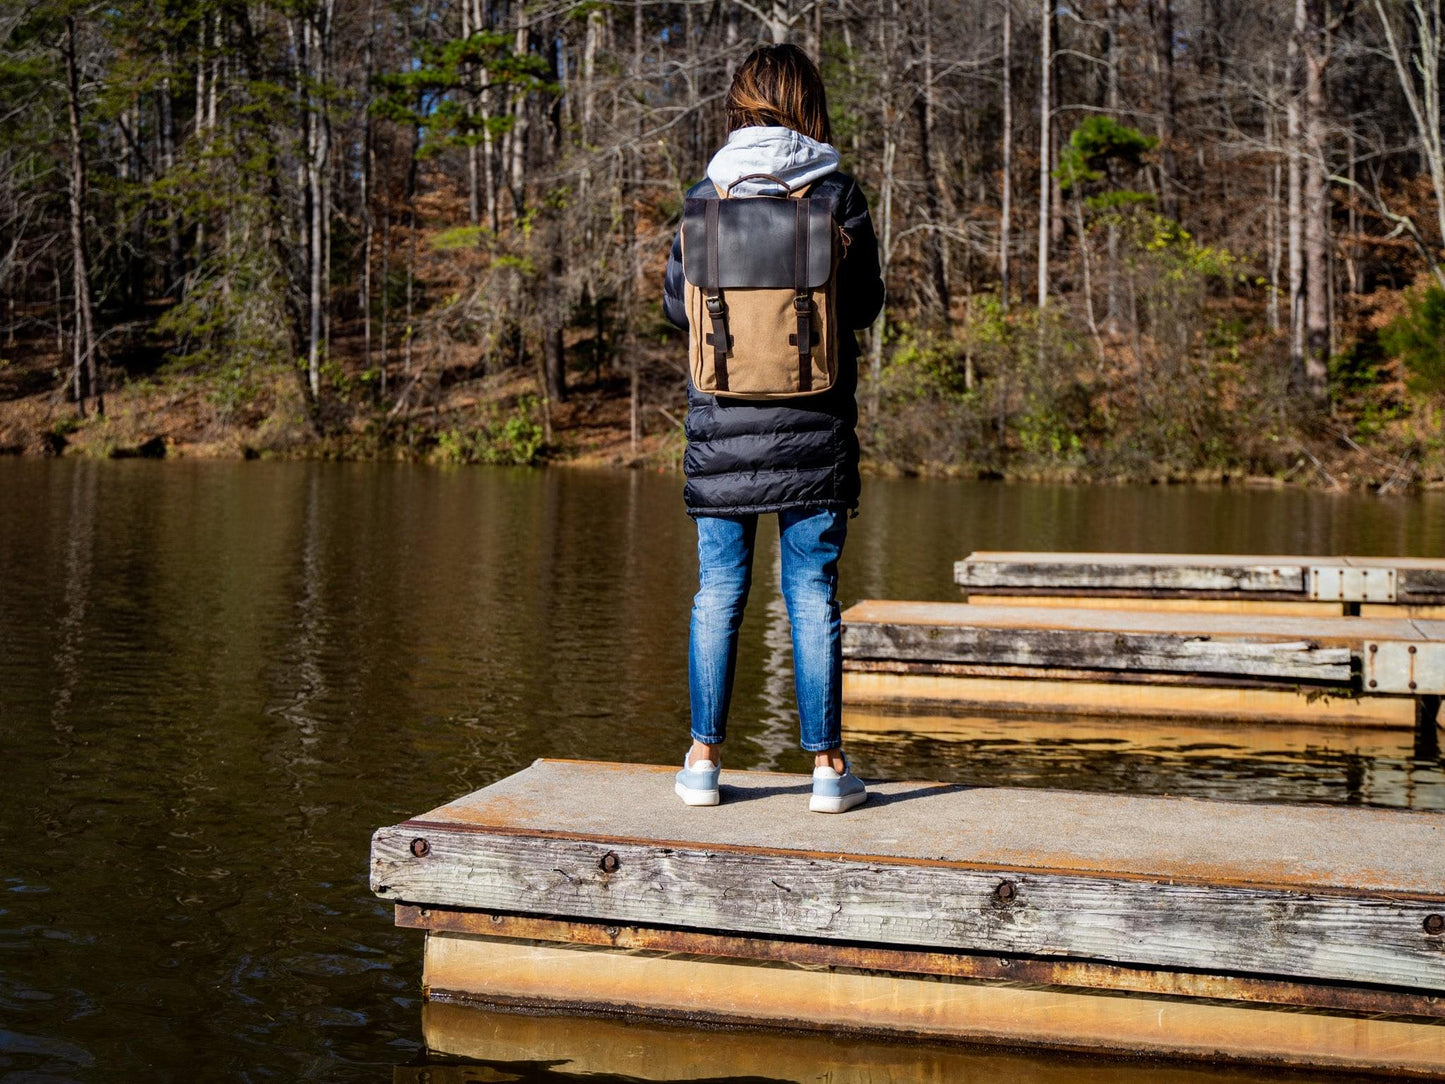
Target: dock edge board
[1380,581]
[1072,974]
[572,978]
[1334,935]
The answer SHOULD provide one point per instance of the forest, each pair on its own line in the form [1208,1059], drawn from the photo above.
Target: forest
[1122,239]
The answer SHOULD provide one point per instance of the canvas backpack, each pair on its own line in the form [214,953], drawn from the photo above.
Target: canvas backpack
[760,293]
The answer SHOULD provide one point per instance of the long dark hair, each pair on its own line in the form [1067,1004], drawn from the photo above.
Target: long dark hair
[779,85]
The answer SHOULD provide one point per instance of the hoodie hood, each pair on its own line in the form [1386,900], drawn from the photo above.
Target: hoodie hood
[780,151]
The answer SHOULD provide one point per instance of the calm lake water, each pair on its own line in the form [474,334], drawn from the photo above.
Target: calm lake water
[217,678]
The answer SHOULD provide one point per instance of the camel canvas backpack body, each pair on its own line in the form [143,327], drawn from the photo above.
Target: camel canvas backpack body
[760,293]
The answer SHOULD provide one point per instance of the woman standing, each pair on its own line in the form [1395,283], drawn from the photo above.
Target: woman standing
[795,457]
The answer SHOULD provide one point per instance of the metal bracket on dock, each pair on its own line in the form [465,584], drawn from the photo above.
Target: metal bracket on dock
[1398,667]
[1336,583]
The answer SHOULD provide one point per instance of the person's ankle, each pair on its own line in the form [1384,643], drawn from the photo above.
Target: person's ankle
[701,751]
[830,758]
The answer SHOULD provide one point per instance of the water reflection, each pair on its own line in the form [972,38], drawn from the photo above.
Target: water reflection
[467,1044]
[1267,762]
[217,678]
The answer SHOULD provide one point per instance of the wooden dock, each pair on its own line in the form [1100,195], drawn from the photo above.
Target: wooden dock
[1286,586]
[1175,739]
[1371,671]
[1303,936]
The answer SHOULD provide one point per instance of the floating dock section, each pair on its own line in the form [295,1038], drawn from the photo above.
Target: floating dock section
[1291,586]
[1372,671]
[1299,936]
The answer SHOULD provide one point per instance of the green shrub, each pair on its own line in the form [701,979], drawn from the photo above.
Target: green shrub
[1417,338]
[513,439]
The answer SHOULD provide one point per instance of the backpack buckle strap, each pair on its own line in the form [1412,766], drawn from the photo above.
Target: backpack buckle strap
[717,312]
[720,339]
[802,300]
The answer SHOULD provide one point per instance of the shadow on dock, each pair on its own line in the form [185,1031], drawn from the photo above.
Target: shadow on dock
[876,799]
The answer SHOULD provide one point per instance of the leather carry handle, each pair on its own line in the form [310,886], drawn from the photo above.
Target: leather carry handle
[760,177]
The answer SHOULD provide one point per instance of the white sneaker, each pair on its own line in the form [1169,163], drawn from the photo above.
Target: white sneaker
[834,793]
[697,783]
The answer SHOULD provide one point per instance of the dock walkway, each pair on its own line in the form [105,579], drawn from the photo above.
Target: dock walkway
[985,914]
[1086,659]
[1285,585]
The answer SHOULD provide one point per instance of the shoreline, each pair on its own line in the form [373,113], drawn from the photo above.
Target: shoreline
[497,420]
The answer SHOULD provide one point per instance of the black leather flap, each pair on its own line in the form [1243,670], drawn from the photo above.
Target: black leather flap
[757,242]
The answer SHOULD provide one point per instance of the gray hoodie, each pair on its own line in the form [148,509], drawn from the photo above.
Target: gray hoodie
[786,154]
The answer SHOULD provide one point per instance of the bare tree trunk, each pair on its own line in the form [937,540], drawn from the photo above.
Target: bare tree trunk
[84,342]
[1293,140]
[1162,13]
[385,329]
[886,211]
[1005,225]
[634,370]
[924,110]
[1276,230]
[589,73]
[1046,64]
[1086,256]
[1057,217]
[1352,250]
[368,172]
[519,128]
[778,21]
[469,106]
[1316,207]
[1111,314]
[490,181]
[316,31]
[168,164]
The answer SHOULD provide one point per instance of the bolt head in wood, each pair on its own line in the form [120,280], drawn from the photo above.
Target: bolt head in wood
[1435,924]
[609,862]
[1006,892]
[420,847]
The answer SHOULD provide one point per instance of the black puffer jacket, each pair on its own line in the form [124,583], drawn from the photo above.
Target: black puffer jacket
[764,456]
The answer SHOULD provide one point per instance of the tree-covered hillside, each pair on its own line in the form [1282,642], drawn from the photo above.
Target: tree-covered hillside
[1122,238]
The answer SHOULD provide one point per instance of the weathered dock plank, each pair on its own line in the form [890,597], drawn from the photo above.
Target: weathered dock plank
[1275,648]
[1087,660]
[1141,881]
[1077,974]
[1282,584]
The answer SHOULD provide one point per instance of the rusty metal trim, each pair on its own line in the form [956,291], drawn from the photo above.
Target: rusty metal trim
[1071,974]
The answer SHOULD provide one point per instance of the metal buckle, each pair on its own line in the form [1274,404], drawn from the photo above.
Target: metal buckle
[802,302]
[714,305]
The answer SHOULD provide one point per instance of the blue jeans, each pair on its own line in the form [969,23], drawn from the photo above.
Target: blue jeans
[812,542]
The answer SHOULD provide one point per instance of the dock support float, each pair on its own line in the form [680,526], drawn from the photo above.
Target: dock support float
[1302,936]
